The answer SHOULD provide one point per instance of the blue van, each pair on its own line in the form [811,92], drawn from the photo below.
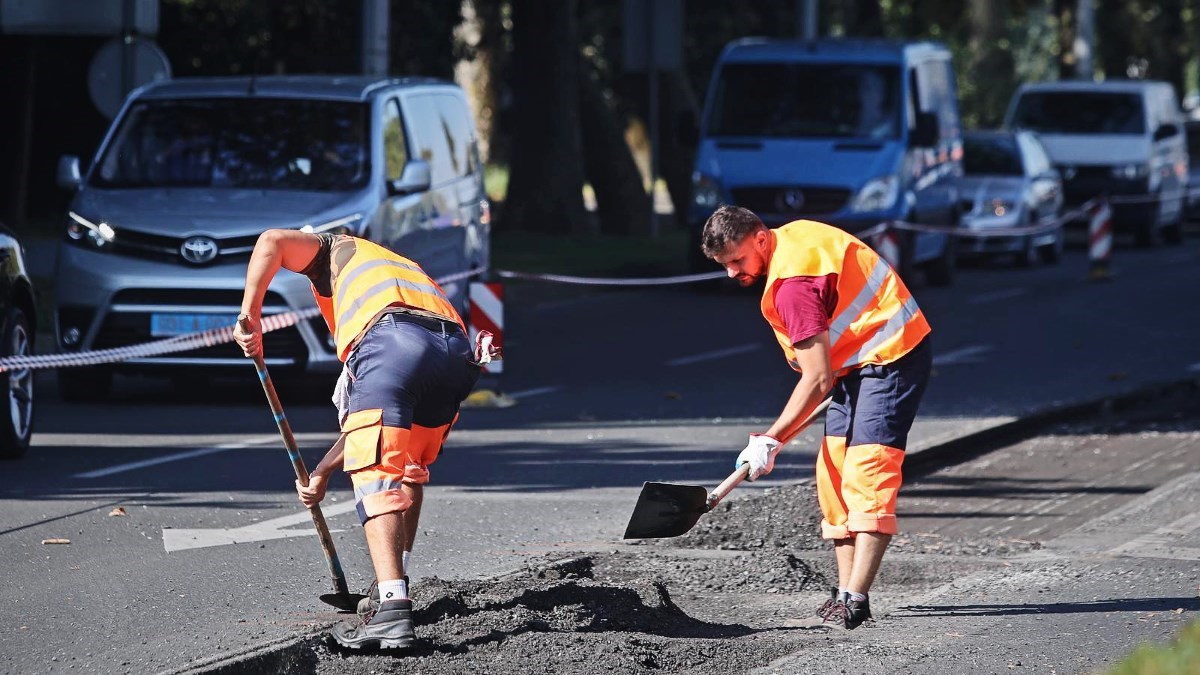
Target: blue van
[847,132]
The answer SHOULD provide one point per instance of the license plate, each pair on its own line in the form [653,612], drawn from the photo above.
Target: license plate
[168,325]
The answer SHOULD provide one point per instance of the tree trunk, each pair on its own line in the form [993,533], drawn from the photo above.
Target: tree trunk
[990,64]
[677,108]
[621,202]
[545,190]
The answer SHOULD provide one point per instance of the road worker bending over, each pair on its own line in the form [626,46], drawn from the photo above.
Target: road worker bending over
[409,365]
[850,327]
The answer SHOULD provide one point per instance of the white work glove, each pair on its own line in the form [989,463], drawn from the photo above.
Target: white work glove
[759,454]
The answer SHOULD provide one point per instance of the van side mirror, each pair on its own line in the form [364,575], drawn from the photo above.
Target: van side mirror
[67,174]
[688,131]
[1167,130]
[926,132]
[415,178]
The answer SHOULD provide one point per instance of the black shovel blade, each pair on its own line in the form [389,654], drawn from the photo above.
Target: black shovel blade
[666,510]
[346,602]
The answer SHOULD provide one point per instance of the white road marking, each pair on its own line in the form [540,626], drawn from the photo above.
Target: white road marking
[962,355]
[182,539]
[1004,294]
[536,391]
[709,356]
[174,457]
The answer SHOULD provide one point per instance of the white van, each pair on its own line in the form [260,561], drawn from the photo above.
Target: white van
[1123,139]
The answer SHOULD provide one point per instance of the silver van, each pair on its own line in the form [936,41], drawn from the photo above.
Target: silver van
[192,170]
[1124,139]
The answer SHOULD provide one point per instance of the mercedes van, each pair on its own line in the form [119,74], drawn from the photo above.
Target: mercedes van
[1124,139]
[165,216]
[847,132]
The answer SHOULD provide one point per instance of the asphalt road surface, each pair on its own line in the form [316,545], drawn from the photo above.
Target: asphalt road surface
[187,543]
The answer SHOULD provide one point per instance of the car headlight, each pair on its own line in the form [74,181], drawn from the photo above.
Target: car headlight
[879,194]
[1000,207]
[706,194]
[344,225]
[97,235]
[1130,171]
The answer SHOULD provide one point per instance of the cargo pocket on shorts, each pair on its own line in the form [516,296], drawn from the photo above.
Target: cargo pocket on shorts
[362,431]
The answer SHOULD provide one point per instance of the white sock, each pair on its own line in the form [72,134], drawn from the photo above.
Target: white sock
[842,591]
[857,597]
[393,590]
[404,561]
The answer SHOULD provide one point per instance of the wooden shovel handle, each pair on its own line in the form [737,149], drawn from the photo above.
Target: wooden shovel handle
[743,471]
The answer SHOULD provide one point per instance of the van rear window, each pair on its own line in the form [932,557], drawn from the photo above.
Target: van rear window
[800,100]
[1080,112]
[277,144]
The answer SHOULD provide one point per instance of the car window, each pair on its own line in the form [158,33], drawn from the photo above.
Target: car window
[456,125]
[281,144]
[1036,160]
[429,136]
[1080,112]
[991,156]
[395,142]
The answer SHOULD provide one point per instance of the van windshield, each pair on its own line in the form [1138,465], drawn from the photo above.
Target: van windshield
[276,144]
[800,100]
[991,156]
[1080,112]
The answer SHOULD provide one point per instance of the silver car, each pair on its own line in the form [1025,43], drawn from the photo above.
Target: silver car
[1009,182]
[193,170]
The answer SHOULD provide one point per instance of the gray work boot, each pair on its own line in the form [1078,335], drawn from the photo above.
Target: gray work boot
[371,602]
[389,628]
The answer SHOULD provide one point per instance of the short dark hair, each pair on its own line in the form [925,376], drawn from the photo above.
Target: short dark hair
[728,224]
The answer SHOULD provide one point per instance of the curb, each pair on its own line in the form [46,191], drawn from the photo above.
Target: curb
[983,441]
[288,656]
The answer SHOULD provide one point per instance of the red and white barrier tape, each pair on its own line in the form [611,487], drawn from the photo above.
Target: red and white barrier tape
[216,336]
[171,345]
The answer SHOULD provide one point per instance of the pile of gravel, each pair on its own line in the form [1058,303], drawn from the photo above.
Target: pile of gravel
[780,518]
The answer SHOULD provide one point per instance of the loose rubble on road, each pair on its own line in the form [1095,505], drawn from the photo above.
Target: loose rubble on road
[713,600]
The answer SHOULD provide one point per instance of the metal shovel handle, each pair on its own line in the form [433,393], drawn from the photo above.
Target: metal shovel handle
[289,442]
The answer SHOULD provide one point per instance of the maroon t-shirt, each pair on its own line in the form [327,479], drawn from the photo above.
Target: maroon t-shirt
[806,304]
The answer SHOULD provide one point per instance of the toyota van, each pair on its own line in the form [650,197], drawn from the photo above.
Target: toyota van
[165,215]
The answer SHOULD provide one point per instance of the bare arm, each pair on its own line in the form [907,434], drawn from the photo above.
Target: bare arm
[816,379]
[318,479]
[290,249]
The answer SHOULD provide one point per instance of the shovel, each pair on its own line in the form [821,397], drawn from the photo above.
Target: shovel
[666,510]
[341,597]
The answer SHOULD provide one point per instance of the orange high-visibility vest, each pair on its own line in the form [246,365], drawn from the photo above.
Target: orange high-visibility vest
[374,279]
[876,319]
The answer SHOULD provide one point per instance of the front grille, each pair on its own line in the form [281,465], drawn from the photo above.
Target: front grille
[792,200]
[128,326]
[166,249]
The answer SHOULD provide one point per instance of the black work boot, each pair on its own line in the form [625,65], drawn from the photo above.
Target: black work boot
[849,614]
[823,610]
[389,628]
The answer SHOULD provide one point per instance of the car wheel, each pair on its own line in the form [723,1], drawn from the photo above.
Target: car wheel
[940,271]
[1173,234]
[84,385]
[16,427]
[1146,234]
[1052,253]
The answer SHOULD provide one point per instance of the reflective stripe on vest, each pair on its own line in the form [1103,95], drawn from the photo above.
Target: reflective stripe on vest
[372,280]
[876,319]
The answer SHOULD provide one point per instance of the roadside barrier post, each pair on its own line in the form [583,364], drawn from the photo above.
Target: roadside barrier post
[486,312]
[1100,240]
[887,245]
